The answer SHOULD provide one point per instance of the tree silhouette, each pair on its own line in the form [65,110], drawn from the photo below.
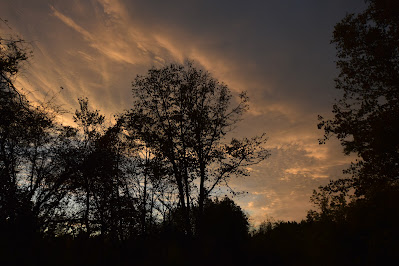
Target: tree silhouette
[90,124]
[225,221]
[103,177]
[30,187]
[366,118]
[182,114]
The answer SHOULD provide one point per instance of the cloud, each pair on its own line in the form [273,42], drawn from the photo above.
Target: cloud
[68,21]
[116,49]
[280,187]
[278,52]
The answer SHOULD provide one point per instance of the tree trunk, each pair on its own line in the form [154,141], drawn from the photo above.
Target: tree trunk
[201,198]
[86,216]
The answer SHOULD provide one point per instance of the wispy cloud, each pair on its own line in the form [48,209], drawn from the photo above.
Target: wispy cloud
[108,41]
[68,21]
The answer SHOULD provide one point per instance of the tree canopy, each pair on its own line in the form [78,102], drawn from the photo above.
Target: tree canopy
[183,114]
[366,118]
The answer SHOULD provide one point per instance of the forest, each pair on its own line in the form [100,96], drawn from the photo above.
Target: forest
[145,189]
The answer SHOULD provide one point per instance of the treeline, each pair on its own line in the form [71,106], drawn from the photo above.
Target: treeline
[157,164]
[81,192]
[141,190]
[356,220]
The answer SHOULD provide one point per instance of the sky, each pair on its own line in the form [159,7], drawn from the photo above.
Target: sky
[277,51]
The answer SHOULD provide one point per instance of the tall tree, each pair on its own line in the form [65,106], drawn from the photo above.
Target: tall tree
[183,114]
[90,125]
[104,174]
[366,118]
[32,179]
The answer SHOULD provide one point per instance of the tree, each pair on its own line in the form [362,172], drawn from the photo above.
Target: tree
[14,111]
[366,118]
[90,125]
[333,200]
[102,184]
[225,221]
[33,183]
[182,114]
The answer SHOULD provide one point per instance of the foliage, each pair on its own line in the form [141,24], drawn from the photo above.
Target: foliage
[333,201]
[32,185]
[366,118]
[225,221]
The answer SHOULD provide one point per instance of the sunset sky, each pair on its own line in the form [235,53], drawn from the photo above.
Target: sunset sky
[277,51]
